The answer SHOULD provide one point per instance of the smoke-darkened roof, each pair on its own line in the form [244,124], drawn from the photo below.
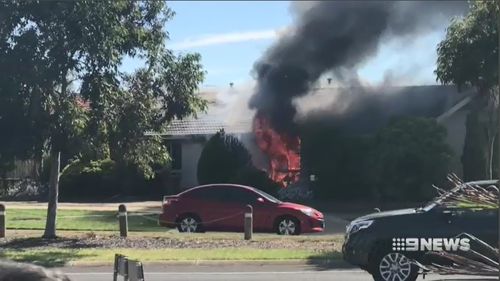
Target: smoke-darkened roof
[424,101]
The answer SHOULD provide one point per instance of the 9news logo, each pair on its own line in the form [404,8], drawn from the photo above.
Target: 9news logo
[430,244]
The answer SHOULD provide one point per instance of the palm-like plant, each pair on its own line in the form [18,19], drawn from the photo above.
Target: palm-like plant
[467,195]
[482,258]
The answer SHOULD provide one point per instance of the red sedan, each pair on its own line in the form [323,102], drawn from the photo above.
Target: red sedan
[221,207]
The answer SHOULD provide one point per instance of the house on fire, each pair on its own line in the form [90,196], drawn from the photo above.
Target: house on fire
[186,138]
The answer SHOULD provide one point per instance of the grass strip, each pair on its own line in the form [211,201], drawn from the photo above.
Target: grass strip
[81,220]
[53,257]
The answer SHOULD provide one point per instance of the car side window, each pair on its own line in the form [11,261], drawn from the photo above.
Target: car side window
[224,194]
[206,193]
[196,193]
[474,213]
[221,194]
[238,195]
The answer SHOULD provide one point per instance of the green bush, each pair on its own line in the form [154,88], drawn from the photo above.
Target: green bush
[103,179]
[225,159]
[400,162]
[94,179]
[408,156]
[338,162]
[221,159]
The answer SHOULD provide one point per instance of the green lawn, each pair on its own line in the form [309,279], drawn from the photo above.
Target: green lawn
[29,224]
[79,220]
[60,257]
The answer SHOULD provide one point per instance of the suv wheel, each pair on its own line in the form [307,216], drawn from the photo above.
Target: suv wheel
[189,224]
[393,266]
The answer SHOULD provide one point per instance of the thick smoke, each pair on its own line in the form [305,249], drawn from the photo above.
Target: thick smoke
[336,37]
[363,110]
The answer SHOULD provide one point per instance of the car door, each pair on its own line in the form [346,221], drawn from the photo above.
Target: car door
[239,199]
[222,208]
[263,214]
[210,204]
[235,201]
[482,223]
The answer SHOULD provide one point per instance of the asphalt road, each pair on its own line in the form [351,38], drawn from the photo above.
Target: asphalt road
[238,273]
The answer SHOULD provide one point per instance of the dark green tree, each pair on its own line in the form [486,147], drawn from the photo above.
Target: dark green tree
[61,61]
[407,157]
[222,158]
[468,57]
[337,159]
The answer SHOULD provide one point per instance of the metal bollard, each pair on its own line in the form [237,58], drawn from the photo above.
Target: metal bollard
[123,220]
[248,222]
[2,221]
[130,270]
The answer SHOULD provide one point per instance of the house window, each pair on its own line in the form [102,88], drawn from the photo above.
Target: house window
[175,151]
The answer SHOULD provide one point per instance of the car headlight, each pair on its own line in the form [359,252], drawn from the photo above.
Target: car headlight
[357,226]
[307,212]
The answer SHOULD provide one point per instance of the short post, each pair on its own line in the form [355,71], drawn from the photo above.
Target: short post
[122,219]
[248,222]
[121,267]
[2,221]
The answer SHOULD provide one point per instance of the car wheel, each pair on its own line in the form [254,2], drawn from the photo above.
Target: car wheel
[189,224]
[288,226]
[393,266]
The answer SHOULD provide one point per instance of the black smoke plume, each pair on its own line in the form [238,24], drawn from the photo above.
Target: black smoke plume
[336,37]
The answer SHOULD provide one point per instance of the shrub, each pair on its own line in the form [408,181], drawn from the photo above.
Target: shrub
[407,157]
[338,162]
[94,179]
[104,179]
[221,159]
[400,162]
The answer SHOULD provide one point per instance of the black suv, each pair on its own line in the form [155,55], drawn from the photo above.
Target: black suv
[371,241]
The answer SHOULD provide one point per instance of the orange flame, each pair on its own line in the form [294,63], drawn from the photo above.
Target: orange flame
[282,150]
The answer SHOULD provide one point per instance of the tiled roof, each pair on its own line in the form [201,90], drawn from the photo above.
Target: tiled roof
[194,127]
[209,123]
